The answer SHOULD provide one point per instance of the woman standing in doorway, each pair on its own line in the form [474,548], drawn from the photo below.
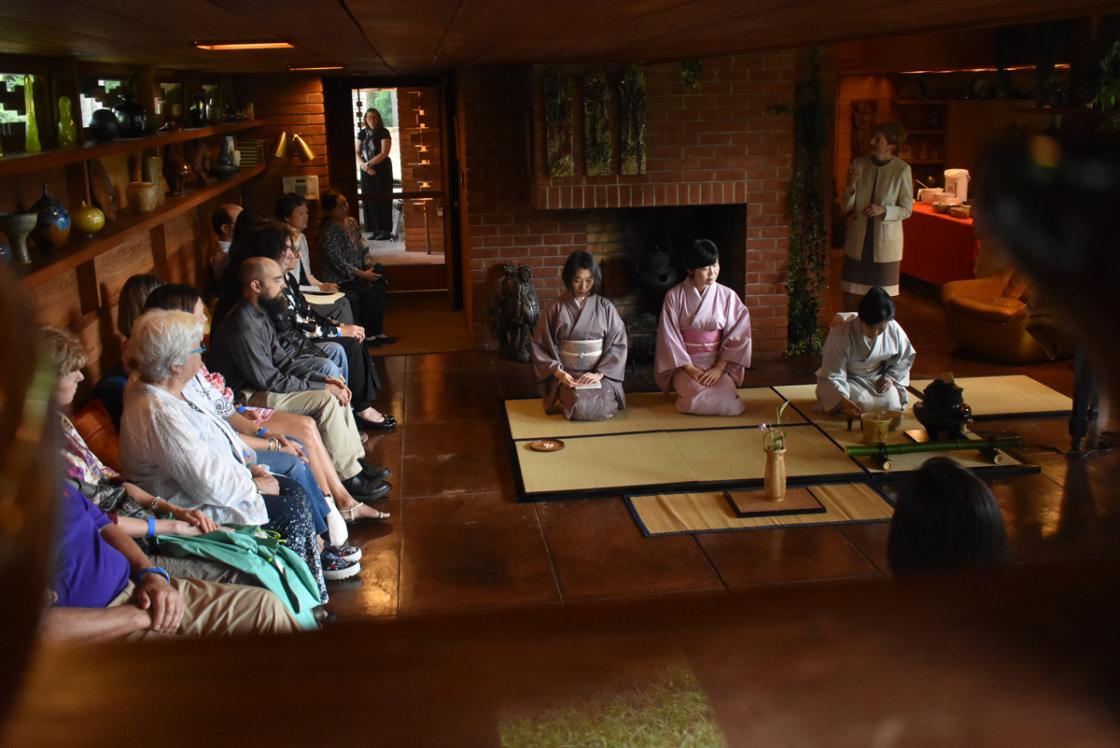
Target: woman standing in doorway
[878,199]
[372,150]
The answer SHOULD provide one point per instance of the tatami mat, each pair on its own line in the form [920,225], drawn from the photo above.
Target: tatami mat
[615,463]
[737,455]
[1015,394]
[671,514]
[803,397]
[645,411]
[598,463]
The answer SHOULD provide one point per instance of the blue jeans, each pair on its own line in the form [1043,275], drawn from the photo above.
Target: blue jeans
[290,466]
[336,354]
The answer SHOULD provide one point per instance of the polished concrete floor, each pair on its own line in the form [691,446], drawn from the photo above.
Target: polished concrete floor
[458,538]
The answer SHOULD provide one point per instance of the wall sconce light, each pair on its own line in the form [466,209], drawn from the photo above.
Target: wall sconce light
[286,144]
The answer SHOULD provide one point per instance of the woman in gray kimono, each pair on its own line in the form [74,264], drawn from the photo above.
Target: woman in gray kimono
[579,347]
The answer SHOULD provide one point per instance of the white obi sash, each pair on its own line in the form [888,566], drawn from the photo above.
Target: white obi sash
[580,355]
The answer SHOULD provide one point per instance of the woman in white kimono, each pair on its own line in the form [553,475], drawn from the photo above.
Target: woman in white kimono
[865,366]
[579,347]
[703,339]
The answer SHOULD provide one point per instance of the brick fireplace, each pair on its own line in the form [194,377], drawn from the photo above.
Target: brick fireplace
[718,161]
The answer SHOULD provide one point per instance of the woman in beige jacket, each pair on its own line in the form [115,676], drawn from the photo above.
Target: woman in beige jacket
[878,199]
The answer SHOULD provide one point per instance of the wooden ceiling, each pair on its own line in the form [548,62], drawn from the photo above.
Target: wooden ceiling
[399,37]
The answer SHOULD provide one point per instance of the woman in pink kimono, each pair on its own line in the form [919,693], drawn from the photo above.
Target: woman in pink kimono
[579,347]
[703,338]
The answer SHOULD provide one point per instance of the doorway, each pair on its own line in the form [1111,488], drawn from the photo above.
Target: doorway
[387,146]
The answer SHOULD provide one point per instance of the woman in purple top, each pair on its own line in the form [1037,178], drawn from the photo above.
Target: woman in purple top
[703,338]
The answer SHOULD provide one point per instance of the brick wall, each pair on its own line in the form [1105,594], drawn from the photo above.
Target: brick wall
[413,171]
[293,104]
[722,133]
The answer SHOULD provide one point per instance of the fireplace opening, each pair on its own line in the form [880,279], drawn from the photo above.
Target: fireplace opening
[641,249]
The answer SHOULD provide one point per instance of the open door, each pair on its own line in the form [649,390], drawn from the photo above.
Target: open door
[406,209]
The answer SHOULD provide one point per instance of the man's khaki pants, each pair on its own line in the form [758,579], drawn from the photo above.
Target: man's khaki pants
[335,421]
[220,610]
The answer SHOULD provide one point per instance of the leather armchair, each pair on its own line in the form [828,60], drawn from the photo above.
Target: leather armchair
[989,316]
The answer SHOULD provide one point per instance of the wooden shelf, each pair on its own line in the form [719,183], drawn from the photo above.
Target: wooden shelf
[924,161]
[920,102]
[926,132]
[19,163]
[79,250]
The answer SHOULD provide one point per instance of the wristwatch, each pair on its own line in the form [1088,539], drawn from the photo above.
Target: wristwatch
[152,570]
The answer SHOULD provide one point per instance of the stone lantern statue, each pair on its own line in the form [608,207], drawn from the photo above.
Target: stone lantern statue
[514,312]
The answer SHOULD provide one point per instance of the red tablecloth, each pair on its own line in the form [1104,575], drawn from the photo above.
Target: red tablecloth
[937,247]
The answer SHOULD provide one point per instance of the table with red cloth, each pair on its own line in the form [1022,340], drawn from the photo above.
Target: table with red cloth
[937,247]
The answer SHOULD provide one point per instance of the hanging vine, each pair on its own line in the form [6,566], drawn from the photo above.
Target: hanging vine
[807,268]
[691,70]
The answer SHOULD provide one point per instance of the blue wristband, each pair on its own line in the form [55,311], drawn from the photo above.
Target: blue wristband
[240,408]
[151,526]
[153,570]
[261,432]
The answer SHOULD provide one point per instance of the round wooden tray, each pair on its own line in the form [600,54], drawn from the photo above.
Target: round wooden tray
[546,445]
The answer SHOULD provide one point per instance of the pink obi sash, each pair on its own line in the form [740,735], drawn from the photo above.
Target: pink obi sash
[701,341]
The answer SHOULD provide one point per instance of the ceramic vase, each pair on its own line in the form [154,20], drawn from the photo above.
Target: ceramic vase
[130,117]
[53,228]
[142,196]
[31,141]
[17,227]
[153,172]
[103,125]
[88,219]
[67,132]
[774,479]
[225,167]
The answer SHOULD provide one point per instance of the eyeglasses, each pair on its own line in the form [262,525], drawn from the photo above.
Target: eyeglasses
[200,350]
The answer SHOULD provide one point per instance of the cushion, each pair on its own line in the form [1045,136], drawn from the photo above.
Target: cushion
[96,427]
[998,309]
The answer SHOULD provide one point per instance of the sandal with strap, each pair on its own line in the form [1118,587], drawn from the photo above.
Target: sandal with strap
[362,513]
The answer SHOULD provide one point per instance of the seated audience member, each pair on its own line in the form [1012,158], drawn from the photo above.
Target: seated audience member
[278,450]
[344,263]
[248,354]
[299,329]
[103,586]
[172,448]
[703,338]
[130,303]
[292,210]
[579,347]
[282,459]
[229,287]
[865,365]
[270,240]
[222,221]
[945,518]
[132,508]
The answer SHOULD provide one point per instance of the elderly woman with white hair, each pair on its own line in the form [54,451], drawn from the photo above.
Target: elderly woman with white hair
[191,457]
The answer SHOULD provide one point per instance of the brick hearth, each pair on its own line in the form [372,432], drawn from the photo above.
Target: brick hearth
[720,145]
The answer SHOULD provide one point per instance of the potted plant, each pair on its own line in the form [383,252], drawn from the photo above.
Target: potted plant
[774,444]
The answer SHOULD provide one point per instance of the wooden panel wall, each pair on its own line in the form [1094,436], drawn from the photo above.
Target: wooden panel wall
[85,299]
